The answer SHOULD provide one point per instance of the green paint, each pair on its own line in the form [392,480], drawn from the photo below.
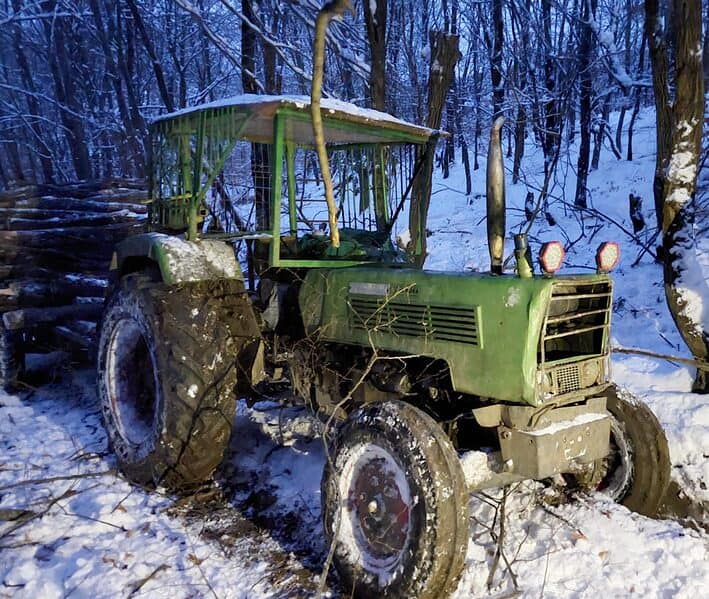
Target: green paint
[510,313]
[504,338]
[290,168]
[196,198]
[190,149]
[276,184]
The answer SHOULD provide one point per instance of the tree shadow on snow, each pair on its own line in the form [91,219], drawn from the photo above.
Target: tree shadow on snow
[271,474]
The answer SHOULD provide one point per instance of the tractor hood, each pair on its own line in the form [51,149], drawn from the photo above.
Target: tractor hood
[488,329]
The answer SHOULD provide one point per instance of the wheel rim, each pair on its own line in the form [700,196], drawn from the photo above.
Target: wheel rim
[375,523]
[131,382]
[613,474]
[617,467]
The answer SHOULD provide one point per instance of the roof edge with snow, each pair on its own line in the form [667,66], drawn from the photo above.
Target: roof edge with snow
[344,122]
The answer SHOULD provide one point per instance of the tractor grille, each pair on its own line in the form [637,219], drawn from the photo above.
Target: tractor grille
[567,379]
[576,329]
[577,322]
[440,323]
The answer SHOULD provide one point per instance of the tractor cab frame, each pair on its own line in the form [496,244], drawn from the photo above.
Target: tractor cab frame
[374,156]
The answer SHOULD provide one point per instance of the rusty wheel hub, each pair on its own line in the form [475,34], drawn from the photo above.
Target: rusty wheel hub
[377,505]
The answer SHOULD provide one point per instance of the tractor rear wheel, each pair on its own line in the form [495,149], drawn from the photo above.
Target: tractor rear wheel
[167,359]
[395,504]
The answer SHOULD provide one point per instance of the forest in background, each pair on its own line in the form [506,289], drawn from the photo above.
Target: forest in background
[80,81]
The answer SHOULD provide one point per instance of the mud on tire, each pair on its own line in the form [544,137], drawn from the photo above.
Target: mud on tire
[167,372]
[395,504]
[650,455]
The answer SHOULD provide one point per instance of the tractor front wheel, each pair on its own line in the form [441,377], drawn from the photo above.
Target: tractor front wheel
[395,504]
[636,471]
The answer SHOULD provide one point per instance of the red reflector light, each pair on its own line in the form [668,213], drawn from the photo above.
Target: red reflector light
[551,256]
[607,256]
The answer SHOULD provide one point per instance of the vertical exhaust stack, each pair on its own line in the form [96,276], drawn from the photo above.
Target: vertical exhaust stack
[495,199]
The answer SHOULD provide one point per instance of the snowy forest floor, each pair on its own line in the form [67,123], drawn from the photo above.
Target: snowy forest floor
[80,530]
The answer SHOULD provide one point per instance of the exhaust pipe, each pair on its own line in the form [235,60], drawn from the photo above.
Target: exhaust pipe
[495,199]
[523,256]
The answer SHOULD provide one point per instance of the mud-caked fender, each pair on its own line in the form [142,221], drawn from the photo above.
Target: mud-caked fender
[204,267]
[179,260]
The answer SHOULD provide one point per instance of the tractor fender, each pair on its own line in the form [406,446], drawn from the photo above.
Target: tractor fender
[199,268]
[179,260]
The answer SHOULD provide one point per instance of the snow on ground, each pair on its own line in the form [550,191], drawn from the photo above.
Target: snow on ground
[70,526]
[88,532]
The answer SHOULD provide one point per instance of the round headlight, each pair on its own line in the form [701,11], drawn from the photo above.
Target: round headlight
[551,256]
[607,256]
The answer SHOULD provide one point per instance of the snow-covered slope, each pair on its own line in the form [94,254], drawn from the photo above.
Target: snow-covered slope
[80,530]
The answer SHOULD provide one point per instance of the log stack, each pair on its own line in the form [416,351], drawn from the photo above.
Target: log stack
[56,244]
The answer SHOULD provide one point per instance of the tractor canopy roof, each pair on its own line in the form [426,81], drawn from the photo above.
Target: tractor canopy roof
[251,117]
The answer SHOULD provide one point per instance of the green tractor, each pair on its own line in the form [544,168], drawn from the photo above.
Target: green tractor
[432,385]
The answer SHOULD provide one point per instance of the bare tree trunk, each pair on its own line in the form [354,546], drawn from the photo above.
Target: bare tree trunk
[259,152]
[551,137]
[375,17]
[706,46]
[107,41]
[627,58]
[659,57]
[521,64]
[376,23]
[636,106]
[16,171]
[126,68]
[585,100]
[449,148]
[204,74]
[679,165]
[477,77]
[270,58]
[601,132]
[325,15]
[498,90]
[463,147]
[619,125]
[149,48]
[451,26]
[45,154]
[4,179]
[66,92]
[444,55]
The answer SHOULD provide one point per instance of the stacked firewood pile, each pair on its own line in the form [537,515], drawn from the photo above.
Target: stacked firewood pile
[56,244]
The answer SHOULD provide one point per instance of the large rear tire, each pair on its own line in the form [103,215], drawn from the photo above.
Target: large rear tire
[167,371]
[395,504]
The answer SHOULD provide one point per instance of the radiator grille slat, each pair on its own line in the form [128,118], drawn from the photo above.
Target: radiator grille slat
[577,321]
[440,323]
